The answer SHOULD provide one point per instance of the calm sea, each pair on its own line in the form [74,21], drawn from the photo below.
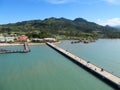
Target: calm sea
[45,69]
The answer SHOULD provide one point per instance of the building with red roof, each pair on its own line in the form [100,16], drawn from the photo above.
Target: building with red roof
[22,38]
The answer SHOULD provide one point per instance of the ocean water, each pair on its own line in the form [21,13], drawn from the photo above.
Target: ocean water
[45,69]
[104,52]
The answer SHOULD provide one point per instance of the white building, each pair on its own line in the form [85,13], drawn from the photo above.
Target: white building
[38,40]
[10,39]
[2,39]
[50,39]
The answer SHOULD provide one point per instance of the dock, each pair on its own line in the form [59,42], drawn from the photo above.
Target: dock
[26,50]
[26,47]
[104,75]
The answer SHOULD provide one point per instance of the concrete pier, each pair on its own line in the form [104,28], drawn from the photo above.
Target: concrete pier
[26,49]
[106,76]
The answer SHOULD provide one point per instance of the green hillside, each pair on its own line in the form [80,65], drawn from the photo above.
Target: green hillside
[52,27]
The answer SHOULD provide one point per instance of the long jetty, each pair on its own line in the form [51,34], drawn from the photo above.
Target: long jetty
[26,50]
[104,75]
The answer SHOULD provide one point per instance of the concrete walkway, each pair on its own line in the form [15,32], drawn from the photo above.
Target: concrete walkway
[105,74]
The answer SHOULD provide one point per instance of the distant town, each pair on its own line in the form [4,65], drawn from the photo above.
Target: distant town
[14,38]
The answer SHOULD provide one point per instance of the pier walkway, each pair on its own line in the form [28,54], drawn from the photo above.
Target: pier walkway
[26,49]
[113,79]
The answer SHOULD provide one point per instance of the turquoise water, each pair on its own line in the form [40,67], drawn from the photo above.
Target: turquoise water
[45,69]
[104,53]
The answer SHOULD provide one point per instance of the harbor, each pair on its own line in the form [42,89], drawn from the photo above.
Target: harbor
[36,71]
[102,74]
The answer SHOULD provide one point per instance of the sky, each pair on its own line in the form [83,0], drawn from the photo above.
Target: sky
[103,12]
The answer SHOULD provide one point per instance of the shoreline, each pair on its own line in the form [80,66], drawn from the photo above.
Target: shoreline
[20,44]
[35,44]
[8,44]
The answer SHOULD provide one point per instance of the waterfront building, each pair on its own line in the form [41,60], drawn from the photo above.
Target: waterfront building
[9,39]
[2,39]
[49,39]
[23,38]
[38,40]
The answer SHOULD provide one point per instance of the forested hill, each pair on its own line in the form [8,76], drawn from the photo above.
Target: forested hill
[60,26]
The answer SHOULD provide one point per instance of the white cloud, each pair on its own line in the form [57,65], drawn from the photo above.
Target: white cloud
[110,1]
[71,1]
[58,1]
[111,22]
[79,1]
[113,1]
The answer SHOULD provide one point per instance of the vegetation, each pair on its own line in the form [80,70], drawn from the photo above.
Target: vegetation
[61,27]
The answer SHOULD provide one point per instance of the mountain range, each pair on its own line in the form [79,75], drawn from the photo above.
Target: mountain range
[60,26]
[118,27]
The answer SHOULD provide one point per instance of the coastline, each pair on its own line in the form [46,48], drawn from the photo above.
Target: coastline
[8,44]
[20,44]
